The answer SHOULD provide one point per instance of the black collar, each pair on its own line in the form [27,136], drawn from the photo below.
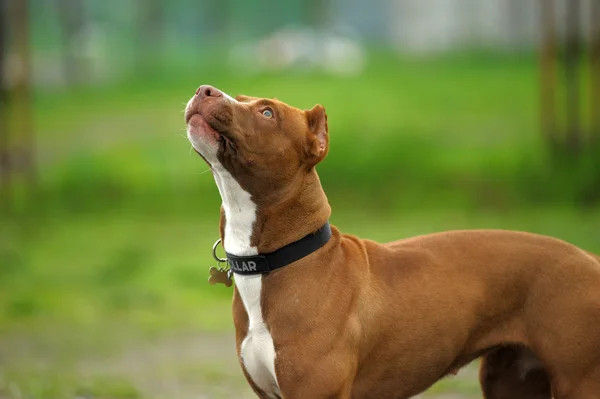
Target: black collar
[260,264]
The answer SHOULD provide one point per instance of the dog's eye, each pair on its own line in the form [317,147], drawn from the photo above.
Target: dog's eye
[267,113]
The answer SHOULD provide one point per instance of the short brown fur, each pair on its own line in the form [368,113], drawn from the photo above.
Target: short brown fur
[360,319]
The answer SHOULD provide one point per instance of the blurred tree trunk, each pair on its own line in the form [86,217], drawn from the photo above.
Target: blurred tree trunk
[573,163]
[592,194]
[71,14]
[548,74]
[20,95]
[594,54]
[572,66]
[5,164]
[151,33]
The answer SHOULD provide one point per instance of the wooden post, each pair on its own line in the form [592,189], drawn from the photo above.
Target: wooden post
[547,64]
[572,67]
[594,71]
[20,96]
[5,164]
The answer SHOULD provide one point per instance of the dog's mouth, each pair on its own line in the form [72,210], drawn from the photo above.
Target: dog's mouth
[189,115]
[198,121]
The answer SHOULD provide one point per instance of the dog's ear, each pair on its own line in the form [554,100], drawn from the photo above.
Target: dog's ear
[318,134]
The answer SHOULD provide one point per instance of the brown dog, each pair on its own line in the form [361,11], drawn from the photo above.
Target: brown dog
[352,318]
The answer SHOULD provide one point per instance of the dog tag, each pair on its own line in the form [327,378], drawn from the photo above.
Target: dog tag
[219,276]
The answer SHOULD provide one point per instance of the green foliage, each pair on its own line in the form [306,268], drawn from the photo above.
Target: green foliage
[51,384]
[461,128]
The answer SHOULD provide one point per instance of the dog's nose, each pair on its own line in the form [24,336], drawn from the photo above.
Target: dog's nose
[208,91]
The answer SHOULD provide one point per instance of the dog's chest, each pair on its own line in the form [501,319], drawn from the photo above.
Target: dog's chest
[257,351]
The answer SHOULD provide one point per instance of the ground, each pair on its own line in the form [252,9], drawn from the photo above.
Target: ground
[197,366]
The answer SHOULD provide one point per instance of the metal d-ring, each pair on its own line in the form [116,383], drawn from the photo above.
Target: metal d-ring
[214,252]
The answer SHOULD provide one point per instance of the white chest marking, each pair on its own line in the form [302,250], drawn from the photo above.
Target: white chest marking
[257,351]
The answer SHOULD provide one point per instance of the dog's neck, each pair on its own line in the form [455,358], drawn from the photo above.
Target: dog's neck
[249,229]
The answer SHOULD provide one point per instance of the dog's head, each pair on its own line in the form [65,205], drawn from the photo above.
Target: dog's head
[263,143]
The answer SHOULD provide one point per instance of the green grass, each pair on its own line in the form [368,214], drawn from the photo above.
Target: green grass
[103,272]
[152,271]
[82,289]
[464,128]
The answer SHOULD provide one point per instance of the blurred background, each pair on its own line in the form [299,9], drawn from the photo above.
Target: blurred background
[443,114]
